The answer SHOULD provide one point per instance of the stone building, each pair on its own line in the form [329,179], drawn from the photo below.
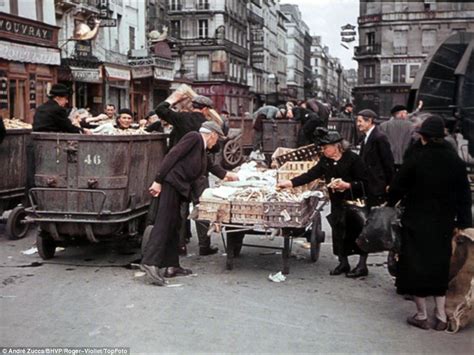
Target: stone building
[394,39]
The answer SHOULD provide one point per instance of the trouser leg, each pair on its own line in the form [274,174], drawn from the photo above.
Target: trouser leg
[202,228]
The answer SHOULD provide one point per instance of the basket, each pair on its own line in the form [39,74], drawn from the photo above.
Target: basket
[306,153]
[247,212]
[213,210]
[289,214]
[292,169]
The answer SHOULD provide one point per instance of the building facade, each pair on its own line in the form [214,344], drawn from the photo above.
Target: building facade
[394,39]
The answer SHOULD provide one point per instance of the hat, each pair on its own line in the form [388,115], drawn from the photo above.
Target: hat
[367,113]
[203,101]
[211,126]
[397,108]
[348,105]
[432,127]
[125,111]
[324,136]
[59,90]
[149,114]
[224,111]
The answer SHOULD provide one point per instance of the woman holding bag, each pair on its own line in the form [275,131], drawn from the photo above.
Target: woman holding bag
[345,174]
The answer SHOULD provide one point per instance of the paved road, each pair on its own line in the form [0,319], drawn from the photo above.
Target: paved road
[86,296]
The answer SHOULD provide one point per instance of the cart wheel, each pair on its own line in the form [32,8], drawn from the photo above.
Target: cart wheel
[46,245]
[14,228]
[232,153]
[146,237]
[317,237]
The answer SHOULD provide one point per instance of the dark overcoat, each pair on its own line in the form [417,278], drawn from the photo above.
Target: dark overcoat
[434,186]
[378,159]
[51,117]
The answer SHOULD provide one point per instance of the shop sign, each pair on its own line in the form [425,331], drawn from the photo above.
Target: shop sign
[163,74]
[83,49]
[32,78]
[86,75]
[142,72]
[25,30]
[29,54]
[3,89]
[118,74]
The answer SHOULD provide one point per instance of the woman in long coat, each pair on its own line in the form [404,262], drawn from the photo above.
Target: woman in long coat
[434,188]
[341,164]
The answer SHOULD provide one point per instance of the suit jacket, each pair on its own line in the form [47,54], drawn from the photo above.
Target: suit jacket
[400,135]
[378,158]
[185,163]
[50,117]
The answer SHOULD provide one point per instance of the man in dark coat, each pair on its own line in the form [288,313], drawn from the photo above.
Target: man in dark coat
[52,115]
[182,166]
[434,187]
[309,122]
[377,156]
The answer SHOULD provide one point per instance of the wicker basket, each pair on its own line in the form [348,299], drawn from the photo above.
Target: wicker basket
[213,210]
[247,212]
[289,214]
[291,169]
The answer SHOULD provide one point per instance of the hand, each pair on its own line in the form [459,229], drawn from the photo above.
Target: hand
[284,184]
[420,105]
[142,122]
[341,185]
[87,131]
[155,189]
[175,97]
[230,176]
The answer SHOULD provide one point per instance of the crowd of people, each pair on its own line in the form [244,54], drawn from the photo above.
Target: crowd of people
[401,161]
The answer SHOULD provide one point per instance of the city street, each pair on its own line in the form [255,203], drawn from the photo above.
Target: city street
[89,296]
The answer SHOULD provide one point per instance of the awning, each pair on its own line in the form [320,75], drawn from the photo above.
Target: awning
[117,74]
[29,54]
[86,75]
[142,72]
[163,74]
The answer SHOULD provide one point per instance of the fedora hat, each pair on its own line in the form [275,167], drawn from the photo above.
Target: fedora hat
[59,90]
[432,127]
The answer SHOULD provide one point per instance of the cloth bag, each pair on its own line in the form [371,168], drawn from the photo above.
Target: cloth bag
[381,231]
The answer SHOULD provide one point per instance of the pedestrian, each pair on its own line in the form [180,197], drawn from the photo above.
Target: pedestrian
[399,131]
[347,112]
[434,187]
[152,122]
[52,115]
[338,163]
[111,113]
[124,121]
[267,112]
[321,109]
[309,122]
[182,166]
[377,156]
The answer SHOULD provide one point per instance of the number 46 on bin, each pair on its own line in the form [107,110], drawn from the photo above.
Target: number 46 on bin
[94,159]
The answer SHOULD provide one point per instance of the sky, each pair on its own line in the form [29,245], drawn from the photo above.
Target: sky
[325,18]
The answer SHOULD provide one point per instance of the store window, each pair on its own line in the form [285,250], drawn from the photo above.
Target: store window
[399,73]
[17,98]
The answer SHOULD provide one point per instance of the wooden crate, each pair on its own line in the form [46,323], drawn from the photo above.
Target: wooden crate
[213,210]
[289,214]
[306,153]
[247,212]
[291,169]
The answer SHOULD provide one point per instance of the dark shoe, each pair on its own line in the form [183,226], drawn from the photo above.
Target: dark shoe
[419,323]
[183,251]
[440,325]
[153,273]
[203,251]
[177,271]
[357,272]
[340,269]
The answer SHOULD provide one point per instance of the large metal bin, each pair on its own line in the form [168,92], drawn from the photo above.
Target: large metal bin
[279,133]
[246,125]
[13,163]
[94,187]
[346,127]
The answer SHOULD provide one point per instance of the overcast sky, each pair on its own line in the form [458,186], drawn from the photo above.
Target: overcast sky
[325,18]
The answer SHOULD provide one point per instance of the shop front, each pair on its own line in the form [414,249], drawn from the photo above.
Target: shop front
[117,85]
[233,98]
[29,57]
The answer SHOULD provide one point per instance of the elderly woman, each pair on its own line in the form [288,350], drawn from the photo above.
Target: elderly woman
[124,121]
[348,168]
[433,184]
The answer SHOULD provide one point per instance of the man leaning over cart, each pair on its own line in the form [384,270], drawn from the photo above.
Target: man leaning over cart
[185,163]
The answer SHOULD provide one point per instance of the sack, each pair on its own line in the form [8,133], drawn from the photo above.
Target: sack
[377,234]
[355,214]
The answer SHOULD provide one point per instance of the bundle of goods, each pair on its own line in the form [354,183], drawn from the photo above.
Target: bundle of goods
[14,123]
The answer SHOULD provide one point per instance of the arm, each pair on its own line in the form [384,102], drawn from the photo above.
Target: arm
[386,158]
[155,127]
[314,173]
[60,118]
[463,199]
[215,169]
[359,183]
[183,147]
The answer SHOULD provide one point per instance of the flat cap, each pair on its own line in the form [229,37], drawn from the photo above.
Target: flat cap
[211,126]
[398,108]
[203,101]
[367,113]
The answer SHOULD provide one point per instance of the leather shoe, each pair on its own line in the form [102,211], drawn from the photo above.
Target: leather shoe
[177,271]
[340,269]
[440,325]
[357,272]
[419,323]
[203,251]
[153,273]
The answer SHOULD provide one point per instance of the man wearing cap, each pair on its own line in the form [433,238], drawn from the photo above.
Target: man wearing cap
[377,156]
[399,131]
[184,164]
[267,112]
[52,115]
[152,122]
[434,187]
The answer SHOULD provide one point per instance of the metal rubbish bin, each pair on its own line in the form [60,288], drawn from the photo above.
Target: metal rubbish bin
[91,187]
[346,127]
[279,133]
[13,178]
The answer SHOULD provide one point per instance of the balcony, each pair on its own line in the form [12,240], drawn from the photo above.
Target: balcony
[400,50]
[367,50]
[253,18]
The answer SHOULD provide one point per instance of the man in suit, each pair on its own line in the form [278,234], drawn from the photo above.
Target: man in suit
[52,115]
[185,163]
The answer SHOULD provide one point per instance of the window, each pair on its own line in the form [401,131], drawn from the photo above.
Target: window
[428,40]
[370,38]
[369,73]
[14,7]
[430,5]
[176,29]
[399,73]
[131,33]
[39,10]
[175,5]
[413,70]
[400,42]
[203,4]
[202,68]
[203,29]
[17,98]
